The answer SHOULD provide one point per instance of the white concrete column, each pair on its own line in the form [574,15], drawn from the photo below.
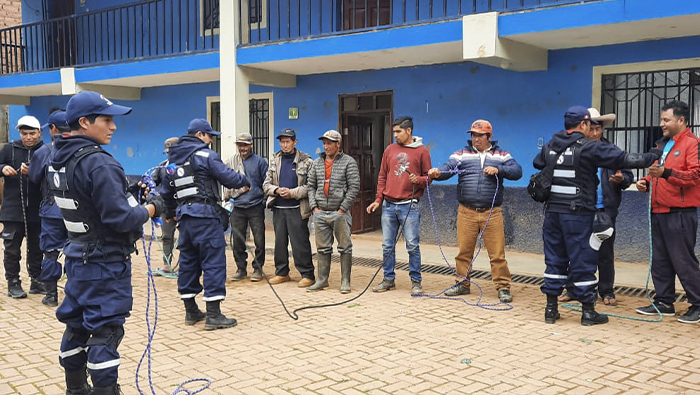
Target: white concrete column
[233,84]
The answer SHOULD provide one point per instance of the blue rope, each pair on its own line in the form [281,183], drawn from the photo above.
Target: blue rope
[148,180]
[485,306]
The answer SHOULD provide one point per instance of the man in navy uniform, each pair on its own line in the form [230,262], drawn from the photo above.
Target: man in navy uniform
[194,189]
[570,210]
[103,221]
[53,233]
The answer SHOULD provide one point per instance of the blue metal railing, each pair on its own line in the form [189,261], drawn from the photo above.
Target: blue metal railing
[140,30]
[262,21]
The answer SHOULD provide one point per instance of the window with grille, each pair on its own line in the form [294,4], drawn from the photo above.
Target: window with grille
[636,100]
[210,12]
[260,126]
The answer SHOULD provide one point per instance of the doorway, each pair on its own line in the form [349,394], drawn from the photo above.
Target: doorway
[365,122]
[60,34]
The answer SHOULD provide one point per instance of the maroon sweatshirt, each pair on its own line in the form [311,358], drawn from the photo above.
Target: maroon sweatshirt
[397,162]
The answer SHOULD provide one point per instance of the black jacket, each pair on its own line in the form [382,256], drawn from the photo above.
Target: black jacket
[612,193]
[14,154]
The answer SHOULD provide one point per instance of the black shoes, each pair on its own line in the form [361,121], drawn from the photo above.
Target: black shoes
[192,312]
[51,298]
[664,309]
[240,275]
[591,317]
[256,276]
[37,288]
[692,316]
[14,289]
[551,311]
[416,287]
[384,286]
[458,289]
[505,296]
[216,320]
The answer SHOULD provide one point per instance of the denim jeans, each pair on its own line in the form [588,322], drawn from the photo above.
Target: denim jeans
[393,216]
[328,224]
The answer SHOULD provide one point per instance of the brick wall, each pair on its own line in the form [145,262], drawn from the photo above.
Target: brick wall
[10,15]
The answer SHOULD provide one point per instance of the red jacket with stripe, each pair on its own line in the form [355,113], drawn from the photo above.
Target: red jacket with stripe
[679,185]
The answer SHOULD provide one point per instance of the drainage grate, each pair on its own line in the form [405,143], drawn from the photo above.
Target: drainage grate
[484,275]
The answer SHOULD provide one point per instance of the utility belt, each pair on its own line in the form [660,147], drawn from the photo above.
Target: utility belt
[405,201]
[201,200]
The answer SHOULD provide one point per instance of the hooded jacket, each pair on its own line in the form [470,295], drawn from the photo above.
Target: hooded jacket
[612,193]
[99,183]
[37,175]
[398,162]
[14,154]
[587,156]
[474,188]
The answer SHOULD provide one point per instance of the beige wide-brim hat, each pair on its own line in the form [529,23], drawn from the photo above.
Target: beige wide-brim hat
[604,120]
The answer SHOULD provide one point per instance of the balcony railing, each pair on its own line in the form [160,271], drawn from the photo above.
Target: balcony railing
[142,30]
[279,20]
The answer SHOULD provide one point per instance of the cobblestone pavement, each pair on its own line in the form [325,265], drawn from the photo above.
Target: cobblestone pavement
[388,343]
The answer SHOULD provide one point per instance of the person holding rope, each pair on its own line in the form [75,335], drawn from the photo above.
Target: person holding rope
[20,208]
[675,196]
[104,220]
[401,183]
[482,166]
[570,209]
[53,232]
[169,224]
[192,196]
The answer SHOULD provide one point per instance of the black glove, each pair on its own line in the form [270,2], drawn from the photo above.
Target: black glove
[656,151]
[157,202]
[139,192]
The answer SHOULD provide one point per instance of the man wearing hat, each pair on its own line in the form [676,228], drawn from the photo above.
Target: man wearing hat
[333,183]
[53,232]
[248,207]
[103,220]
[20,208]
[192,196]
[483,165]
[169,224]
[571,207]
[403,176]
[608,199]
[285,187]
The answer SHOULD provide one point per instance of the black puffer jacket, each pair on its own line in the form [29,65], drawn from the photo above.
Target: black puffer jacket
[13,155]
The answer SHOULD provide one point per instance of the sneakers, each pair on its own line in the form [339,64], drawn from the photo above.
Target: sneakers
[257,275]
[14,289]
[692,316]
[416,287]
[664,309]
[279,280]
[505,296]
[384,286]
[458,289]
[37,288]
[240,275]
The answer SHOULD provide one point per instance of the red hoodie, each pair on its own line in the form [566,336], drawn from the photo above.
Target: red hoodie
[679,186]
[397,162]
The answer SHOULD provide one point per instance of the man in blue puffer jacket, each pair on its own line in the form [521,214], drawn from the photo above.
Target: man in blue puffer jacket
[483,166]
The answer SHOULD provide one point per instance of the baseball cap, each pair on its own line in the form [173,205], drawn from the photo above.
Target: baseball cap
[87,103]
[29,122]
[57,118]
[576,114]
[169,143]
[331,135]
[244,138]
[287,133]
[201,125]
[481,126]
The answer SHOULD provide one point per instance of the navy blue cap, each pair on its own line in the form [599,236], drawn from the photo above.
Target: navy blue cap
[92,103]
[287,133]
[57,118]
[576,114]
[201,125]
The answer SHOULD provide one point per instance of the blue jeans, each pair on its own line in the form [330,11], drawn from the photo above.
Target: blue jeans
[393,216]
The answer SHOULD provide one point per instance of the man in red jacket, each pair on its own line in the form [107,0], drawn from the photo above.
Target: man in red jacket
[675,189]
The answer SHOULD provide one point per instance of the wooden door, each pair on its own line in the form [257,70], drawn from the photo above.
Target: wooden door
[358,142]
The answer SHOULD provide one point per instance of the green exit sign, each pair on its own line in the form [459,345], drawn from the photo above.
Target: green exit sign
[293,113]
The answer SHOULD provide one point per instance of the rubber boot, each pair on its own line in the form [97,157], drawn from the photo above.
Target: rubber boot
[192,312]
[216,320]
[551,311]
[111,390]
[345,269]
[76,383]
[324,269]
[590,316]
[51,298]
[14,289]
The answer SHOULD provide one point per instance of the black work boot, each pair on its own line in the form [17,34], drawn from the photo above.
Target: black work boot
[591,317]
[76,383]
[37,287]
[324,269]
[14,289]
[216,320]
[111,390]
[192,312]
[51,298]
[345,269]
[551,311]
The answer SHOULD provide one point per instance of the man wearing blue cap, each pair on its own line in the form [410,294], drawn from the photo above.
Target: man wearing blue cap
[103,221]
[570,210]
[193,197]
[53,234]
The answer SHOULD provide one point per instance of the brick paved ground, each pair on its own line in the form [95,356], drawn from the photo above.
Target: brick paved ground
[386,343]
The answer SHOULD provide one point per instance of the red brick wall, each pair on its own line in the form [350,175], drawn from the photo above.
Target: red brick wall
[10,12]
